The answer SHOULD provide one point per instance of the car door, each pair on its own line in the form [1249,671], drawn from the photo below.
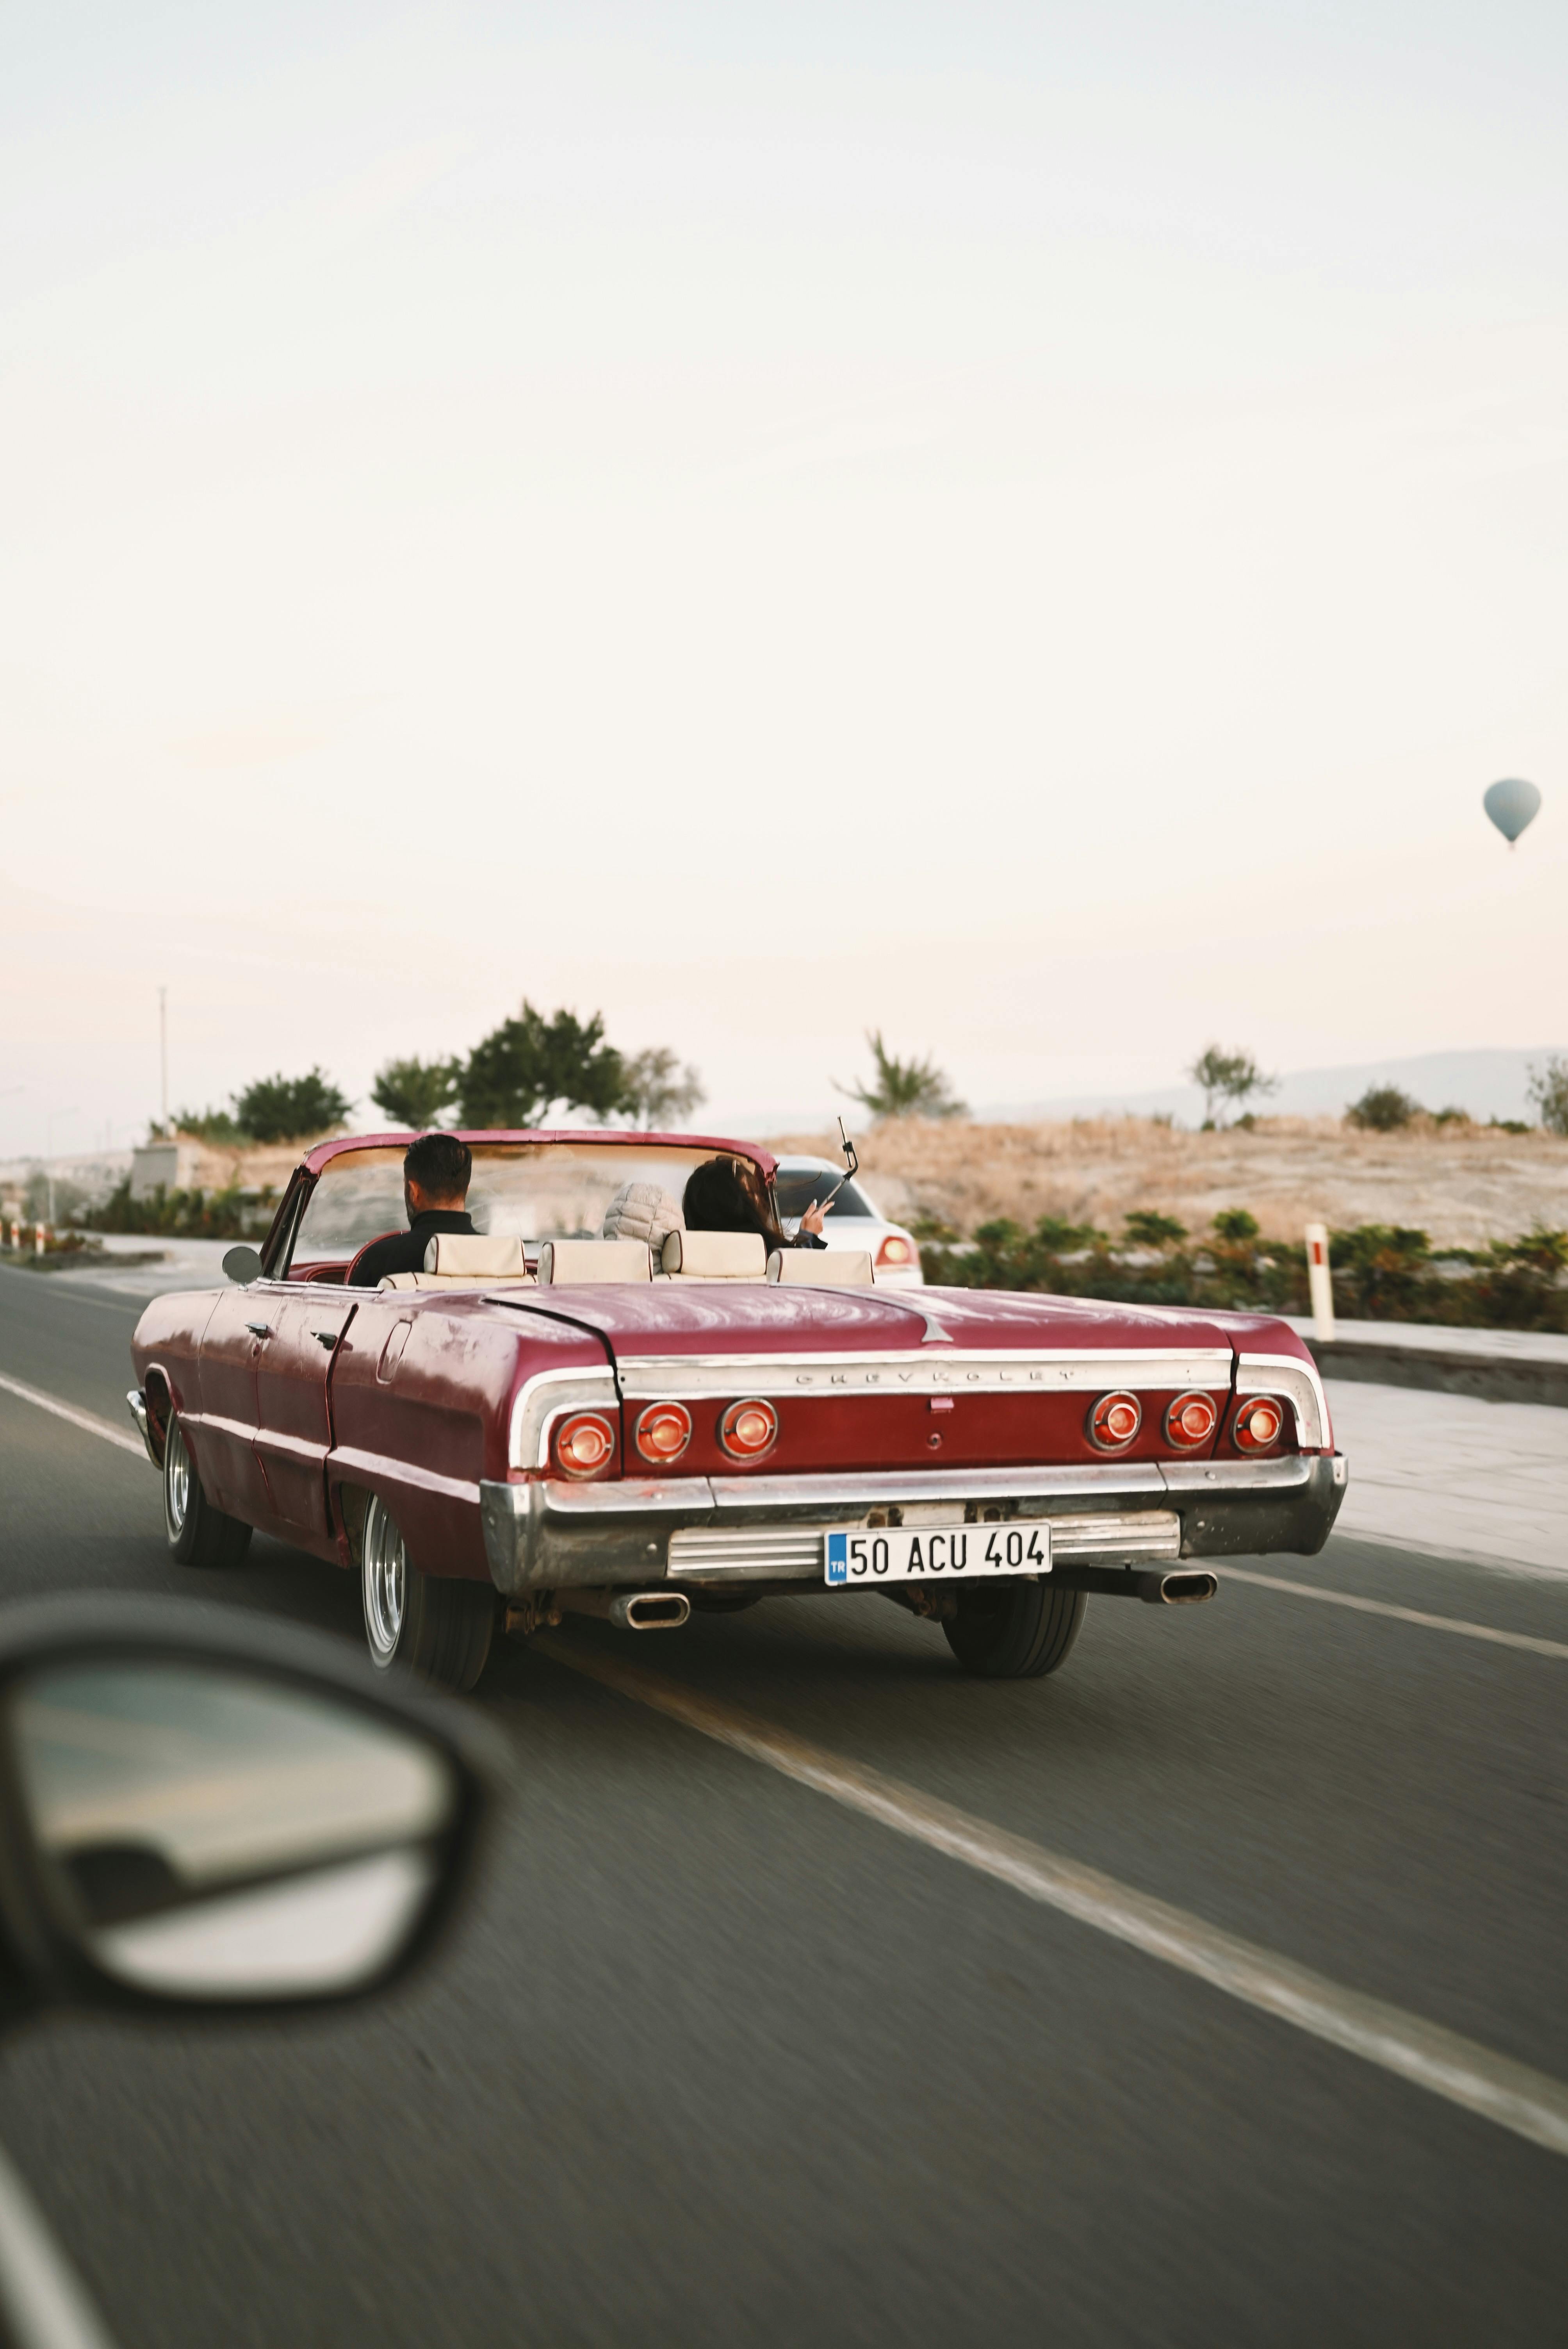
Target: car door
[294,1427]
[223,1432]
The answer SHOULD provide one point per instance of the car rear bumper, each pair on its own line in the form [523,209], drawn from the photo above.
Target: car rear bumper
[546,1534]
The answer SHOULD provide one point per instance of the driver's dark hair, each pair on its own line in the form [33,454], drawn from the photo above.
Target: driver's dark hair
[440,1165]
[729,1195]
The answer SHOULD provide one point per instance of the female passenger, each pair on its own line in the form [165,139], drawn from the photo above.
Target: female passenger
[728,1195]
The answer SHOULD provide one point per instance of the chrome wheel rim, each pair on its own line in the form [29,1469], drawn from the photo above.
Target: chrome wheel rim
[176,1481]
[384,1584]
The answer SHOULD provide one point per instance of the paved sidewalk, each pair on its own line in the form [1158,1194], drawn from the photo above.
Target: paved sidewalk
[1487,1482]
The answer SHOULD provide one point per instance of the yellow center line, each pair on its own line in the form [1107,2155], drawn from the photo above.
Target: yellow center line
[1530,2103]
[1399,1614]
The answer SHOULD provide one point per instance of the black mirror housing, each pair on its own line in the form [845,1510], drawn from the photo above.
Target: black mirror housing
[204,1811]
[243,1265]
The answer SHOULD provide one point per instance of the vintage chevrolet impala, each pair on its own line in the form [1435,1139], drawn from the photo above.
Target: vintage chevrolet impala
[544,1423]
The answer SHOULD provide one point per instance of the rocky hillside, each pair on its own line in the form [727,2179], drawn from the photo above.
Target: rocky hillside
[1463,1184]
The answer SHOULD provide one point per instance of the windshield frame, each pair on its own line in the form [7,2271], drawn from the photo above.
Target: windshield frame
[278,1249]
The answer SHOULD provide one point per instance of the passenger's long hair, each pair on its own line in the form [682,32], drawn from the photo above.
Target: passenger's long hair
[729,1195]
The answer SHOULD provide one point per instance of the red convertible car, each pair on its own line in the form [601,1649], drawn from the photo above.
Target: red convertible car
[544,1422]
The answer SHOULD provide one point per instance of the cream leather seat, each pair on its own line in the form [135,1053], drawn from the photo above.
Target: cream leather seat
[467,1261]
[580,1260]
[715,1256]
[821,1269]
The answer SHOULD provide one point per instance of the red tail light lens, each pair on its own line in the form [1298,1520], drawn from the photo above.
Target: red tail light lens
[1259,1423]
[896,1251]
[1115,1420]
[664,1430]
[1190,1421]
[748,1430]
[584,1444]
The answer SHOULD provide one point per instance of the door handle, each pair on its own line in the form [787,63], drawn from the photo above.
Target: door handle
[259,1328]
[328,1338]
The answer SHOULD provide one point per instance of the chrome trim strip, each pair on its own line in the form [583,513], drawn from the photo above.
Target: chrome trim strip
[1091,1481]
[996,1371]
[1284,1475]
[1299,1383]
[542,1398]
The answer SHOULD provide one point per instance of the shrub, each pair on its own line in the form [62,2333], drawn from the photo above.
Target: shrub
[903,1088]
[1146,1229]
[1549,1091]
[1235,1224]
[285,1109]
[1382,1109]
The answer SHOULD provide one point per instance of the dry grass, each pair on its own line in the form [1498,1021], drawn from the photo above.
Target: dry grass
[1462,1184]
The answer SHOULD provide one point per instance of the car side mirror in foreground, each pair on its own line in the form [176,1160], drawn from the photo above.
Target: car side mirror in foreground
[198,1808]
[243,1265]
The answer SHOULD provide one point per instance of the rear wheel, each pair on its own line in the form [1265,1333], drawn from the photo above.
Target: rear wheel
[198,1535]
[1008,1631]
[438,1625]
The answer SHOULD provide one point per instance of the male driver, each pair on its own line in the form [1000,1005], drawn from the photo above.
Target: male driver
[436,1171]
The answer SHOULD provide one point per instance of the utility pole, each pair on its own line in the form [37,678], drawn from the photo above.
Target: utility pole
[163,1051]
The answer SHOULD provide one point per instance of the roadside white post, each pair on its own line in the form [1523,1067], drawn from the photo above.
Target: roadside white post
[37,1239]
[1320,1288]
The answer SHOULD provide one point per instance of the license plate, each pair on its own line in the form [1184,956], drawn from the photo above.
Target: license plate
[937,1553]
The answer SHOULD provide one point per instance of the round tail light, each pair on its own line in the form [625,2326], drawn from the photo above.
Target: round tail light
[747,1429]
[664,1430]
[896,1249]
[584,1444]
[1258,1424]
[1190,1421]
[1115,1420]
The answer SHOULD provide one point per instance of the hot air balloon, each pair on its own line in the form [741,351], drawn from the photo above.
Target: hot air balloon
[1511,804]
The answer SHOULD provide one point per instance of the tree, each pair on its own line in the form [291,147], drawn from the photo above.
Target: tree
[1382,1109]
[1549,1091]
[903,1088]
[285,1108]
[1231,1077]
[656,1091]
[415,1092]
[1235,1225]
[515,1075]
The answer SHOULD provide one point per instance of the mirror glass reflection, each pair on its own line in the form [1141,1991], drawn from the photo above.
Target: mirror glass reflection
[215,1834]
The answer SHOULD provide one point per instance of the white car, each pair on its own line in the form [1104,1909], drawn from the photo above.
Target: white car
[852,1222]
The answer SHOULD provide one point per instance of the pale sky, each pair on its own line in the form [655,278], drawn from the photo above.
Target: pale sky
[1031,528]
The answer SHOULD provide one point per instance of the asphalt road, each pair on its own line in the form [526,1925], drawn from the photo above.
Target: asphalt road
[716,2060]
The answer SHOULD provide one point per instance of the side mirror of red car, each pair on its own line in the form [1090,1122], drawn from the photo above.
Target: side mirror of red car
[241,1265]
[200,1810]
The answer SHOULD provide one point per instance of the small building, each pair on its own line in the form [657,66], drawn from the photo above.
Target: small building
[170,1165]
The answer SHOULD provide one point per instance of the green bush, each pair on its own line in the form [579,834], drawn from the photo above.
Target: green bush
[1549,1091]
[1381,1272]
[229,1214]
[1382,1109]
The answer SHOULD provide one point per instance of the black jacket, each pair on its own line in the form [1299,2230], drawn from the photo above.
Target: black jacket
[405,1251]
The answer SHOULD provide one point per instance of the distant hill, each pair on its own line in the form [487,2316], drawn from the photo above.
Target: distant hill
[1487,1085]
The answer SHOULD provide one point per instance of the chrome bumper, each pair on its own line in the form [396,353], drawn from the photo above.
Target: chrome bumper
[546,1534]
[136,1404]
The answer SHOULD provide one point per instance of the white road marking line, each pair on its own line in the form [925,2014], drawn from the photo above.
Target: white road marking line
[1530,2103]
[1400,1614]
[86,1419]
